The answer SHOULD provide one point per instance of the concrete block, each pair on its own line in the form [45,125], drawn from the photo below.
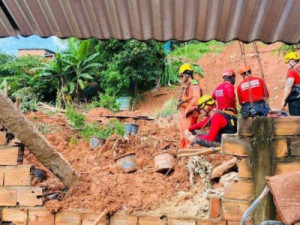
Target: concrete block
[9,156]
[215,205]
[241,190]
[211,222]
[286,126]
[280,148]
[234,145]
[181,222]
[90,218]
[244,168]
[2,169]
[282,168]
[8,197]
[68,218]
[16,216]
[40,217]
[295,147]
[2,138]
[245,127]
[30,197]
[17,175]
[147,220]
[123,220]
[233,211]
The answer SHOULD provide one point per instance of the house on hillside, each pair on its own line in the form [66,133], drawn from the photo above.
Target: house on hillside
[36,52]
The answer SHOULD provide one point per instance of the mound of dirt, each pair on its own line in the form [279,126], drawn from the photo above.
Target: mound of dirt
[105,186]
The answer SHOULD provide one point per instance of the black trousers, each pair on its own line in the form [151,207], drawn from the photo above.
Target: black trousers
[257,109]
[294,107]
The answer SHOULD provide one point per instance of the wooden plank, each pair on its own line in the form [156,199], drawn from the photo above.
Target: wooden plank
[14,120]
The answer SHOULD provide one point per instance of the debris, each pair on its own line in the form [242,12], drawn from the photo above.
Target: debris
[197,152]
[229,178]
[48,107]
[197,165]
[164,162]
[220,170]
[104,213]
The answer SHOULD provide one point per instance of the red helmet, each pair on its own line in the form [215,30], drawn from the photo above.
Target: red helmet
[228,73]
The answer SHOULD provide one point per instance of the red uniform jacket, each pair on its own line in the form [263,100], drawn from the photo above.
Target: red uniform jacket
[225,96]
[258,90]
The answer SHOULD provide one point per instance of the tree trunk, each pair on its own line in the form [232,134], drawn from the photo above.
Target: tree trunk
[12,118]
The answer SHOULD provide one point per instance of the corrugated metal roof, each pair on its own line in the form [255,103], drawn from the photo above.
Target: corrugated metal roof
[224,20]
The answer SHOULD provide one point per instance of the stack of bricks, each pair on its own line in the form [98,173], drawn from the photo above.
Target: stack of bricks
[15,182]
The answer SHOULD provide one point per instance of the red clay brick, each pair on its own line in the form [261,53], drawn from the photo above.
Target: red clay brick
[244,168]
[2,138]
[9,156]
[16,216]
[17,176]
[67,218]
[146,220]
[280,148]
[241,190]
[234,145]
[30,197]
[40,217]
[89,219]
[237,223]
[233,211]
[286,126]
[211,222]
[282,168]
[181,222]
[215,204]
[2,169]
[8,197]
[123,220]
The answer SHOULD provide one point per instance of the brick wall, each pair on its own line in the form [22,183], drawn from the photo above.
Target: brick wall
[259,142]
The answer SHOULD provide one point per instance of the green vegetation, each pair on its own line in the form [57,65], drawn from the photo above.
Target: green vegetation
[195,49]
[88,130]
[284,48]
[98,72]
[169,108]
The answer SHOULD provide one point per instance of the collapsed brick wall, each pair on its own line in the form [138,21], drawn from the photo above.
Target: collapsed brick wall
[279,138]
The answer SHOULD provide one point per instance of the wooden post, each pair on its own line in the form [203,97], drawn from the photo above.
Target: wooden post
[17,123]
[18,102]
[6,88]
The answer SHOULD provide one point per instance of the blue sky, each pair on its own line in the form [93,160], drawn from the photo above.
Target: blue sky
[11,45]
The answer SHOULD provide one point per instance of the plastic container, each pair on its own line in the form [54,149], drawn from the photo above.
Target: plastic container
[127,162]
[164,162]
[124,103]
[96,142]
[131,128]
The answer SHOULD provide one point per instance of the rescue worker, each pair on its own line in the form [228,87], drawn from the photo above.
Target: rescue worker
[252,93]
[187,102]
[224,93]
[220,122]
[292,87]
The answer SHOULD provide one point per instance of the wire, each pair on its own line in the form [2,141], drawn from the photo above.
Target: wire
[57,75]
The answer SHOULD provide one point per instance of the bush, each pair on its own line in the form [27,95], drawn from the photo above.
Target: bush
[169,108]
[88,130]
[28,99]
[106,101]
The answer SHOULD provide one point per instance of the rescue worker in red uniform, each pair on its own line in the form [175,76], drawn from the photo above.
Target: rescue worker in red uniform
[252,93]
[187,102]
[220,122]
[291,94]
[224,93]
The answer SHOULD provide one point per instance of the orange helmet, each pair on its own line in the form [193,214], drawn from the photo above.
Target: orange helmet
[244,69]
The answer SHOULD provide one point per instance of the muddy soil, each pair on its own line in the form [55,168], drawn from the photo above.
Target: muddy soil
[105,186]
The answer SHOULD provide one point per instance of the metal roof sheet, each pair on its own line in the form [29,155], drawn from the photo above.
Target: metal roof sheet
[204,20]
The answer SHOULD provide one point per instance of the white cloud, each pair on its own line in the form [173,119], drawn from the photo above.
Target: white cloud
[59,43]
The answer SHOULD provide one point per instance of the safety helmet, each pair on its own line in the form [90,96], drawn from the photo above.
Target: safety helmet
[185,67]
[228,73]
[291,56]
[244,69]
[205,100]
